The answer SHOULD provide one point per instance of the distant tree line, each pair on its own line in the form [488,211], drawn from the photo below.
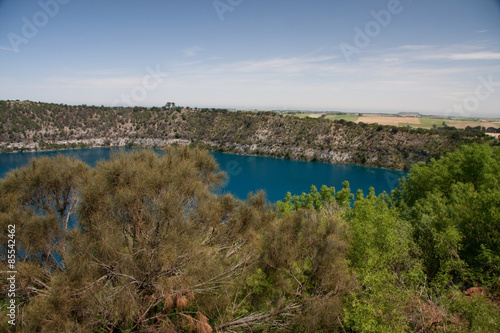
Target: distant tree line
[52,126]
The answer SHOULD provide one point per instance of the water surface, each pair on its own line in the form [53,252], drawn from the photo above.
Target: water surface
[252,173]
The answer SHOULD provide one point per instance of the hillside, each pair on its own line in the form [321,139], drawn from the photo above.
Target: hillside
[26,125]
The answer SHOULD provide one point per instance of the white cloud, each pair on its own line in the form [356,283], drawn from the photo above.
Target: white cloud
[416,47]
[405,78]
[275,65]
[6,48]
[476,56]
[98,82]
[192,51]
[483,51]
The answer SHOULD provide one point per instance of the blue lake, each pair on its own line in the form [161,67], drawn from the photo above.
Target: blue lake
[252,173]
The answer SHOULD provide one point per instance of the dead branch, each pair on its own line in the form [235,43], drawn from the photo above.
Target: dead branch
[257,318]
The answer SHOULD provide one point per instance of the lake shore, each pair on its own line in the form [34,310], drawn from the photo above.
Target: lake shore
[294,153]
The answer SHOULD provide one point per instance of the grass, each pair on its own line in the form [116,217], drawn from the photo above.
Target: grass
[425,122]
[310,115]
[456,122]
[430,122]
[346,117]
[301,115]
[408,124]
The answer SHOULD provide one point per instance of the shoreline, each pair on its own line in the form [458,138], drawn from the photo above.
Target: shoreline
[208,147]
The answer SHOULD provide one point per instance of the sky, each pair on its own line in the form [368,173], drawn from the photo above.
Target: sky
[429,56]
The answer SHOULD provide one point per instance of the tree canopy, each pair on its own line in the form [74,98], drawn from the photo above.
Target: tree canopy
[141,243]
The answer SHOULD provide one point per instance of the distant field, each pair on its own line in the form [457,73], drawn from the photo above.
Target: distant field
[455,122]
[347,117]
[420,122]
[392,121]
[310,115]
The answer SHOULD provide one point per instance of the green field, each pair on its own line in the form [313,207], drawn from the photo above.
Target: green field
[425,122]
[306,115]
[346,117]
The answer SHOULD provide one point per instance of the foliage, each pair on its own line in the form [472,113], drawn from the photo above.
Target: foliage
[455,215]
[140,243]
[382,253]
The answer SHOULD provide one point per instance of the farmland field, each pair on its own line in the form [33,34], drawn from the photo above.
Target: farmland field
[347,117]
[401,121]
[310,115]
[392,121]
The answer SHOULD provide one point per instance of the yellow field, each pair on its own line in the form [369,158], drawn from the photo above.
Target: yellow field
[416,122]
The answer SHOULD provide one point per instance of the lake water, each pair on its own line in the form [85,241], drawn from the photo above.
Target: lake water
[252,173]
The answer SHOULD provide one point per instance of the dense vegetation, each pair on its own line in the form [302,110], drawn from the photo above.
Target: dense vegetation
[154,250]
[30,126]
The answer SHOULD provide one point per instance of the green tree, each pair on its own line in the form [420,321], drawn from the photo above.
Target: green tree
[382,254]
[453,208]
[41,201]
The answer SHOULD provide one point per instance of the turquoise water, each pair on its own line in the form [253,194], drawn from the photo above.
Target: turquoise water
[252,173]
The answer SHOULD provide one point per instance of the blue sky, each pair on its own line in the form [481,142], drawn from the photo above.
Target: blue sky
[429,56]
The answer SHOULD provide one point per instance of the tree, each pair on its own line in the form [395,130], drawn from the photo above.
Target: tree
[453,211]
[41,200]
[152,248]
[382,254]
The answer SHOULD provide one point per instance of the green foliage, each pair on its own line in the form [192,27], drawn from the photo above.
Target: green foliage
[303,258]
[455,215]
[315,200]
[40,199]
[141,243]
[478,165]
[382,254]
[471,313]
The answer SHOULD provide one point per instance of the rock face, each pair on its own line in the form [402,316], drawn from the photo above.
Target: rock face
[38,126]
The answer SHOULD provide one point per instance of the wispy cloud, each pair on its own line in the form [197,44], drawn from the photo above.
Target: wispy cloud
[416,47]
[97,82]
[476,56]
[192,51]
[292,65]
[104,77]
[4,48]
[450,52]
[408,77]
